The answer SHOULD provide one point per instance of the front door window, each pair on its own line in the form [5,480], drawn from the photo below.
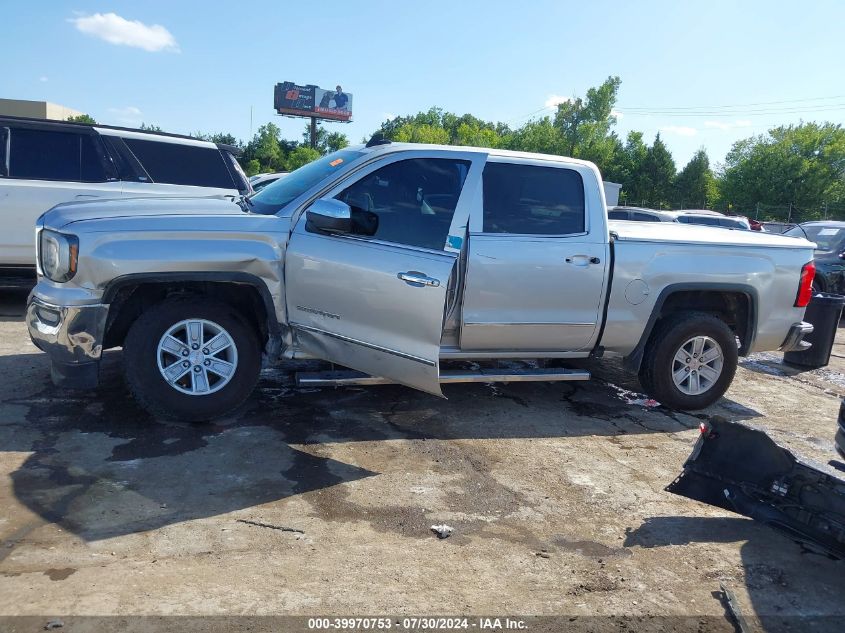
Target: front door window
[408,202]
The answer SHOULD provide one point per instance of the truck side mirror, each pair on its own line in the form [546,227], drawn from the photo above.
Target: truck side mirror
[329,216]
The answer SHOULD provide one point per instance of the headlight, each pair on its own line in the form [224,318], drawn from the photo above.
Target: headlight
[58,253]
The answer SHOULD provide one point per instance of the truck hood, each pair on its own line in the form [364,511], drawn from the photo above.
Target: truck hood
[626,231]
[69,212]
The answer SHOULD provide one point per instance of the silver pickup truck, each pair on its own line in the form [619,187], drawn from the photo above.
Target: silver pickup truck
[391,260]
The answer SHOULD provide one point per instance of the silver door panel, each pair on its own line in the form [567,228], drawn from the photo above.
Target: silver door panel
[532,293]
[348,305]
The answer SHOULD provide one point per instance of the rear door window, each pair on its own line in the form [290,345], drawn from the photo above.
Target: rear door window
[54,155]
[617,215]
[533,200]
[178,164]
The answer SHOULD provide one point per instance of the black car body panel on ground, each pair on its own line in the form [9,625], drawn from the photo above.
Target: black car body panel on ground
[741,469]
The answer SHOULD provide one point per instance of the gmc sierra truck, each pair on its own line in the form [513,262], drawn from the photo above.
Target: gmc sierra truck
[391,260]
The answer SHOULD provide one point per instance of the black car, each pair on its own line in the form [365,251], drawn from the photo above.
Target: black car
[829,237]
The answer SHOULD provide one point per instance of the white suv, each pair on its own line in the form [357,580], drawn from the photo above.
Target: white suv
[44,163]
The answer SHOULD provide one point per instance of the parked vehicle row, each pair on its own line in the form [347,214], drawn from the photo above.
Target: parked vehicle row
[44,163]
[684,216]
[393,259]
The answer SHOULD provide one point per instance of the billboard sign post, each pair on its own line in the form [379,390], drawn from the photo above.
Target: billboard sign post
[290,99]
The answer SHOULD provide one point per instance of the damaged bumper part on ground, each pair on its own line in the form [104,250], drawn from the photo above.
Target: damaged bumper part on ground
[742,469]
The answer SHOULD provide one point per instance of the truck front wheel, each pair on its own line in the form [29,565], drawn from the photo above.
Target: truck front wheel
[690,361]
[191,359]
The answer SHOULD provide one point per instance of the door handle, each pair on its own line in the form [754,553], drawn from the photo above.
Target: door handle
[582,260]
[414,278]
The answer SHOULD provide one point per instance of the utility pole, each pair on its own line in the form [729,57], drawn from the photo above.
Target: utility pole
[789,216]
[757,212]
[313,132]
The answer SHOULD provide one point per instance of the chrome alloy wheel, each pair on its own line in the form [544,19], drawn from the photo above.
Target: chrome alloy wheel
[697,365]
[197,357]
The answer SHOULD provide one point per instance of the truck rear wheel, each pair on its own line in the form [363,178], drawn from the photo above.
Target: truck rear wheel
[690,361]
[191,359]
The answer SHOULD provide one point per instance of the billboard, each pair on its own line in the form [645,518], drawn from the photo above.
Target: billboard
[310,101]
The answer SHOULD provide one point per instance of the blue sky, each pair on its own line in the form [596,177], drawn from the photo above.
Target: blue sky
[190,66]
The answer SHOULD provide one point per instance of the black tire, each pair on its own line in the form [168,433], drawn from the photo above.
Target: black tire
[155,394]
[666,339]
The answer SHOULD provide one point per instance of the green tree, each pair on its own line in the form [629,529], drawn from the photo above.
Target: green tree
[224,138]
[695,184]
[327,142]
[585,124]
[82,118]
[150,127]
[630,169]
[445,128]
[300,156]
[802,165]
[336,141]
[265,147]
[658,172]
[537,135]
[477,136]
[422,133]
[252,167]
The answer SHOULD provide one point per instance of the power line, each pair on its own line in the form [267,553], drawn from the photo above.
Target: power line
[740,105]
[750,109]
[525,116]
[810,110]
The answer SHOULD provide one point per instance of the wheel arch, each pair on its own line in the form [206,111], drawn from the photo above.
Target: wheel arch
[128,296]
[736,304]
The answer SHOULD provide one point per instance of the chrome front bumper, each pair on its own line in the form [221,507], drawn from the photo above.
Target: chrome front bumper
[73,338]
[794,340]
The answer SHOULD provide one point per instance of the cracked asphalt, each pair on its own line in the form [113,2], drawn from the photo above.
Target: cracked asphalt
[320,501]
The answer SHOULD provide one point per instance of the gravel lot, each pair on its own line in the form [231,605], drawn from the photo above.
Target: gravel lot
[320,501]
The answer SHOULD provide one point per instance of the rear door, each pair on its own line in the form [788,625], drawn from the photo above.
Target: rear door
[46,167]
[536,268]
[375,301]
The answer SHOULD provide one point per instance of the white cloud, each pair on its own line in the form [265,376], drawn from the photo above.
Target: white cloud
[117,30]
[42,79]
[727,125]
[129,116]
[680,130]
[555,100]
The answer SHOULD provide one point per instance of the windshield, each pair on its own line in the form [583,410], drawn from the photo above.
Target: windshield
[827,238]
[276,195]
